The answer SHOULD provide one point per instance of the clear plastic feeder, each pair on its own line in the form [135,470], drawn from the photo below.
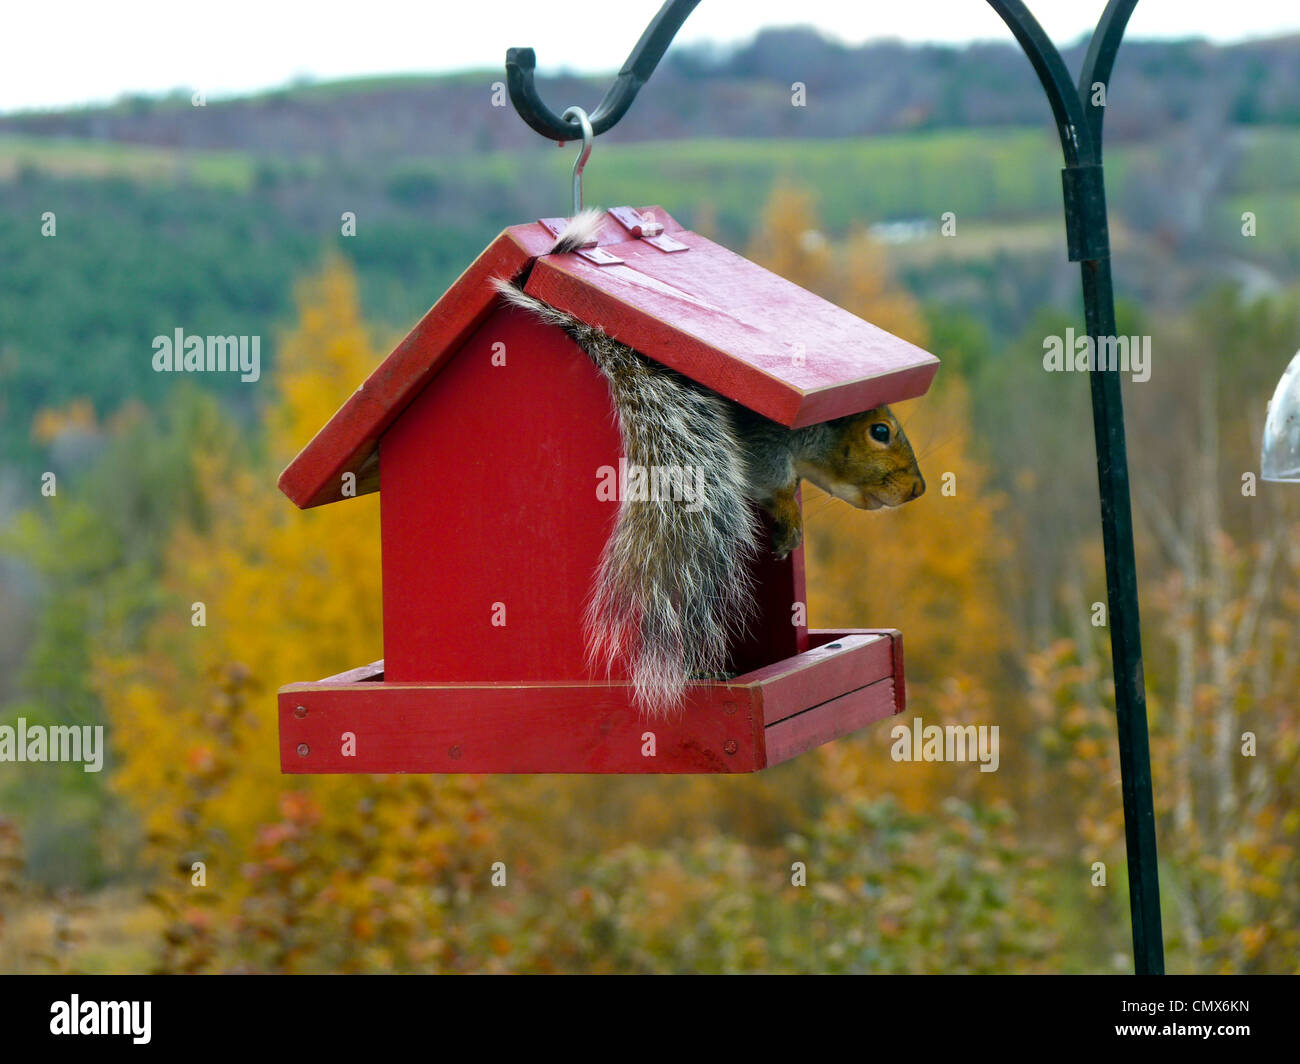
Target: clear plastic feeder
[1280,459]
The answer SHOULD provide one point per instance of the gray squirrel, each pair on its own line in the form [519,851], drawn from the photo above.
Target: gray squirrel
[673,588]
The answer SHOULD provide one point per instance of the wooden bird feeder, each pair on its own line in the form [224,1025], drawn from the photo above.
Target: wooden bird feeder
[487,429]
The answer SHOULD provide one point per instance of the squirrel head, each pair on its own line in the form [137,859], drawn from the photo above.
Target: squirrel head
[865,460]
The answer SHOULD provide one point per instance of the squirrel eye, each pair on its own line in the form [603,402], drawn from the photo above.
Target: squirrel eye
[880,432]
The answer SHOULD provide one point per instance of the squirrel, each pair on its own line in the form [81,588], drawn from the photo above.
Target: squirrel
[673,587]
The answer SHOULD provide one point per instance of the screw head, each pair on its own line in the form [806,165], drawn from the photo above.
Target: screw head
[730,746]
[299,711]
[454,753]
[303,750]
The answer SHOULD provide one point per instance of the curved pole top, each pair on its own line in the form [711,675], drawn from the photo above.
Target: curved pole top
[1100,60]
[1071,124]
[1078,122]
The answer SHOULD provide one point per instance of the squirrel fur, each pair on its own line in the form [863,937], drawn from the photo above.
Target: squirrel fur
[673,588]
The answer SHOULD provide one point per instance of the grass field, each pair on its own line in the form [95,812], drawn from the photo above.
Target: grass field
[981,173]
[106,159]
[1003,175]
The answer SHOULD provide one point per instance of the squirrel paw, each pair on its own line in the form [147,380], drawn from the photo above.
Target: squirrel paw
[786,538]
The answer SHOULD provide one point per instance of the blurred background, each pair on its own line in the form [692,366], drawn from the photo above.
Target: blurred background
[198,181]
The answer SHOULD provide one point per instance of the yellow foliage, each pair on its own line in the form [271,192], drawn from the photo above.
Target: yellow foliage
[77,416]
[288,596]
[789,240]
[929,568]
[866,287]
[854,274]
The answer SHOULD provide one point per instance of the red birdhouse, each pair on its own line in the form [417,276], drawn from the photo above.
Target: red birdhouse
[487,430]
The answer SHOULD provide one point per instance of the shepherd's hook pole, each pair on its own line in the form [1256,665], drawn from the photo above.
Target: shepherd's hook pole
[1078,111]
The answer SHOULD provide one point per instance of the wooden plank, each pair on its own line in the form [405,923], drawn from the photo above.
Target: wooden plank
[821,636]
[830,720]
[499,728]
[778,584]
[579,728]
[348,440]
[823,673]
[491,523]
[738,329]
[900,675]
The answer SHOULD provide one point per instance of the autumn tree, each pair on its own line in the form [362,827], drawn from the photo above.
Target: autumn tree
[929,568]
[257,870]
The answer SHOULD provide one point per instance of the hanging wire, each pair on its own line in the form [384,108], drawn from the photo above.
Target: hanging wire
[580,116]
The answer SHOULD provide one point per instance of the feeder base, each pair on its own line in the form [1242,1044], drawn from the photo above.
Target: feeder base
[356,723]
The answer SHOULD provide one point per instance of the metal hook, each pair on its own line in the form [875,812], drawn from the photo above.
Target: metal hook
[521,64]
[578,114]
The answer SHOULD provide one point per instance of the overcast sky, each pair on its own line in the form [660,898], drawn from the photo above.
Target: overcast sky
[57,53]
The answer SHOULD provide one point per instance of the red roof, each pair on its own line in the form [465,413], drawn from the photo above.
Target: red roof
[704,311]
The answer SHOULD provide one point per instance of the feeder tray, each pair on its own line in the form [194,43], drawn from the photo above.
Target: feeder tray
[847,680]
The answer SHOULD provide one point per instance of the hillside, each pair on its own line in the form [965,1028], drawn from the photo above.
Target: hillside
[172,215]
[875,88]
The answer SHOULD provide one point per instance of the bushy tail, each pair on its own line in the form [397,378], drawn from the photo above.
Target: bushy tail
[673,587]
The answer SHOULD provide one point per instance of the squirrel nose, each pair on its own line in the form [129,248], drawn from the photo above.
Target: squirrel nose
[918,489]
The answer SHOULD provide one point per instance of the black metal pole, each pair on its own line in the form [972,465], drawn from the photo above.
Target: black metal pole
[1079,125]
[1125,632]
